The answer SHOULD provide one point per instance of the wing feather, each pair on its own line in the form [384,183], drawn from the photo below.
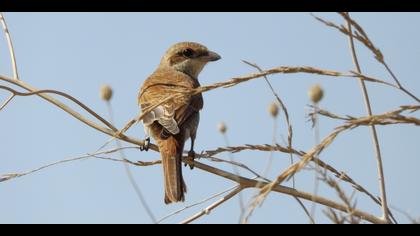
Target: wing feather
[162,84]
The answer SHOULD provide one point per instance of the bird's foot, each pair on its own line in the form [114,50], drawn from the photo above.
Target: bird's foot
[146,145]
[191,157]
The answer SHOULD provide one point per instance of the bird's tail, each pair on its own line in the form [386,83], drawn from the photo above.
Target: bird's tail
[171,152]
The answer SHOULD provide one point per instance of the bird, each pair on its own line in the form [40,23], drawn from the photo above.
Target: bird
[172,123]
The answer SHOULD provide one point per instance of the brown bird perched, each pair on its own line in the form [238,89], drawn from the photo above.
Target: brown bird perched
[176,120]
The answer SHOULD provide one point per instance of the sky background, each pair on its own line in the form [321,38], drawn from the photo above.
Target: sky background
[78,52]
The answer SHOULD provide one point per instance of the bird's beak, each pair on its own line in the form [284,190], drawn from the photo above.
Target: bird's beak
[212,56]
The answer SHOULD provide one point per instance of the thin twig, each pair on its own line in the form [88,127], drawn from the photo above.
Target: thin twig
[311,218]
[10,45]
[208,209]
[283,108]
[341,194]
[270,158]
[237,172]
[407,215]
[8,100]
[392,117]
[372,127]
[362,37]
[109,131]
[317,169]
[230,83]
[245,182]
[236,163]
[71,98]
[95,155]
[250,183]
[289,128]
[283,70]
[128,172]
[182,92]
[195,204]
[399,84]
[332,215]
[293,169]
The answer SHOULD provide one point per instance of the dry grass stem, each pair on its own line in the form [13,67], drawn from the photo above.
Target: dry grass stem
[375,138]
[361,36]
[96,155]
[283,108]
[8,100]
[208,209]
[195,204]
[250,183]
[307,157]
[350,213]
[106,95]
[10,45]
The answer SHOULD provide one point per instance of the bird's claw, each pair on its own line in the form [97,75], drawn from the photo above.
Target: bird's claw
[146,145]
[191,157]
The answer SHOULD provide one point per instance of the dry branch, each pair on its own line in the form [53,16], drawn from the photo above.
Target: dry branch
[361,36]
[10,45]
[311,155]
[249,183]
[389,118]
[208,209]
[278,148]
[375,138]
[195,204]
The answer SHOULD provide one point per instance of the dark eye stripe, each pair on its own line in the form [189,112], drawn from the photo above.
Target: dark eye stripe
[188,53]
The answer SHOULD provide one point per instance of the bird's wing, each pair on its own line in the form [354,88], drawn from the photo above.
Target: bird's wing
[194,106]
[173,113]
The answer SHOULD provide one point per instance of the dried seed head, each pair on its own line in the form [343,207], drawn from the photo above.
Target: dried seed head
[106,92]
[273,109]
[316,93]
[222,127]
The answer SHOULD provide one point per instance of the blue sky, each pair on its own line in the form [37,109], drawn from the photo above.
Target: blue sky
[78,52]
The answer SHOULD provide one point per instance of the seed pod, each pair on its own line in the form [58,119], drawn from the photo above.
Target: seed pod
[222,127]
[106,92]
[273,109]
[316,93]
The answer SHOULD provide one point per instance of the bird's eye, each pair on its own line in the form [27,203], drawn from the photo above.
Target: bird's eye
[188,52]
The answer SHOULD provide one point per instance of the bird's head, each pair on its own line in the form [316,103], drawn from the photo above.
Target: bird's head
[188,57]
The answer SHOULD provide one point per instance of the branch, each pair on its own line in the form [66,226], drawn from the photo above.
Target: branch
[195,204]
[378,54]
[266,187]
[311,155]
[71,98]
[308,214]
[8,100]
[109,130]
[283,108]
[284,70]
[243,182]
[381,177]
[341,194]
[207,210]
[95,155]
[249,183]
[128,172]
[10,45]
[362,37]
[234,163]
[388,118]
[112,131]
